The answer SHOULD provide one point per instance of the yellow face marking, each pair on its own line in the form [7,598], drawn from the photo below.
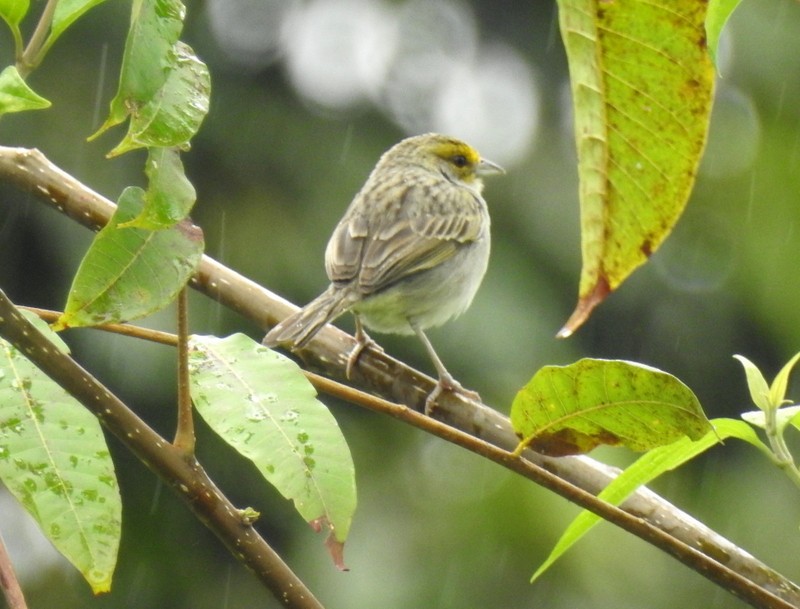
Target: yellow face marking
[463,158]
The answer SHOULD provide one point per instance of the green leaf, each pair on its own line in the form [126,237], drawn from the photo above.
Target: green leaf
[54,460]
[648,467]
[163,86]
[756,383]
[261,404]
[572,409]
[783,417]
[795,420]
[169,197]
[131,272]
[16,95]
[642,85]
[718,13]
[66,13]
[174,114]
[777,391]
[155,28]
[13,12]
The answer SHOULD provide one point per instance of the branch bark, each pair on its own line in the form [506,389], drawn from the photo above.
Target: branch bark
[646,514]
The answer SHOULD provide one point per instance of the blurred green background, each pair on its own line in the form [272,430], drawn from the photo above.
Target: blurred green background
[306,96]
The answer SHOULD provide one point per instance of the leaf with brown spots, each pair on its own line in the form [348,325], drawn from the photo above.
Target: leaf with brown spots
[642,88]
[567,410]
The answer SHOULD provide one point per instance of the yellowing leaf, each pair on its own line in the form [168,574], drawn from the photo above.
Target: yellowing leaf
[572,409]
[642,84]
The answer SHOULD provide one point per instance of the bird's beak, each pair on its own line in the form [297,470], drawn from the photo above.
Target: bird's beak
[485,167]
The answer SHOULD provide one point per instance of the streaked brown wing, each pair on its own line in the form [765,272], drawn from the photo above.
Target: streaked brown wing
[346,247]
[415,234]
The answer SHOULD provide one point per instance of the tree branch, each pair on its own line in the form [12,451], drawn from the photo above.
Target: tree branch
[650,516]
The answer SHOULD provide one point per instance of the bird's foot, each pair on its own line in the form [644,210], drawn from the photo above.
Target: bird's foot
[449,384]
[362,342]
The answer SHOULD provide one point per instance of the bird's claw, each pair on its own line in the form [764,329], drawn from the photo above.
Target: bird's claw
[449,384]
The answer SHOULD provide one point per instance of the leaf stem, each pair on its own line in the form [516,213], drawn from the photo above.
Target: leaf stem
[34,53]
[9,583]
[184,434]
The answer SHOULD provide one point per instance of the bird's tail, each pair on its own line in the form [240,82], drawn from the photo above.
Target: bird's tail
[296,330]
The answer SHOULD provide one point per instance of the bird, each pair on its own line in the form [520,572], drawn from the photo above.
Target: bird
[409,253]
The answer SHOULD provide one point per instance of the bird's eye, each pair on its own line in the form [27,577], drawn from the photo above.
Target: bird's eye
[460,160]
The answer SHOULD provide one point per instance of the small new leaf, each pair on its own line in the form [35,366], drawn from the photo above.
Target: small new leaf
[783,417]
[756,384]
[572,409]
[777,391]
[795,420]
[16,95]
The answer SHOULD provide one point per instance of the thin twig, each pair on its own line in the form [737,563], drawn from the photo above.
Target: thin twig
[184,433]
[9,583]
[155,336]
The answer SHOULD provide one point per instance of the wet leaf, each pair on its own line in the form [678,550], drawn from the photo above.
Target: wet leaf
[16,95]
[572,409]
[642,85]
[154,30]
[259,402]
[647,468]
[54,460]
[131,272]
[66,13]
[13,11]
[174,114]
[164,88]
[169,197]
